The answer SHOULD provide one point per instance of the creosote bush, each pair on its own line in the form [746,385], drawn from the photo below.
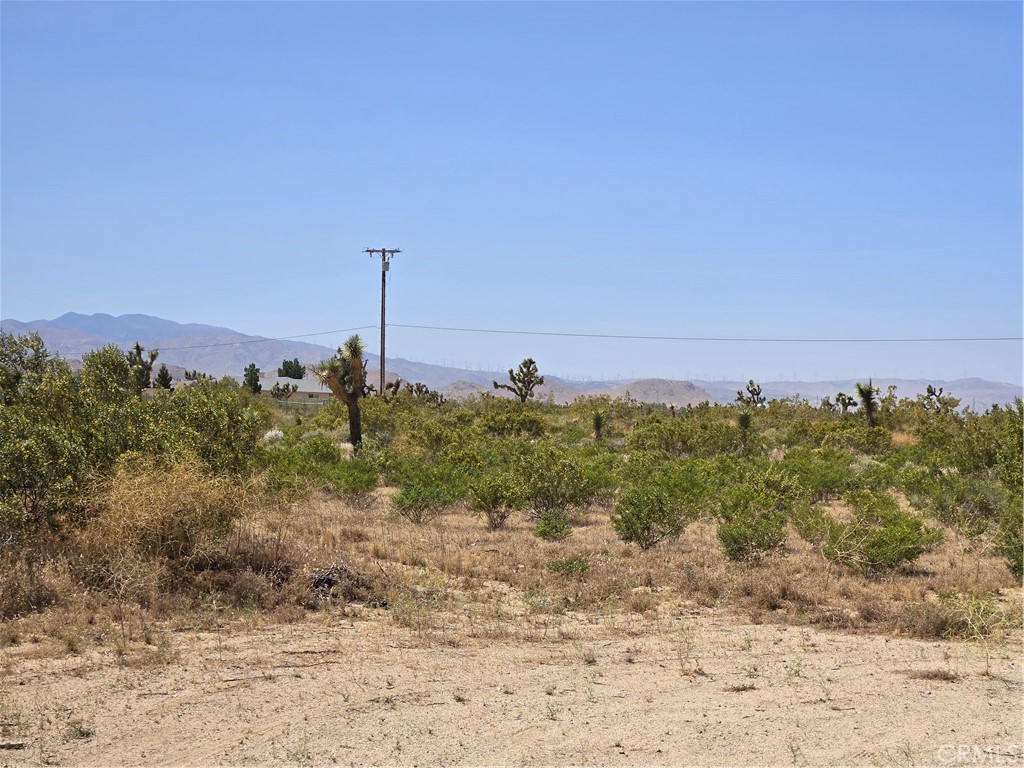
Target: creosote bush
[880,537]
[753,515]
[552,525]
[646,514]
[497,495]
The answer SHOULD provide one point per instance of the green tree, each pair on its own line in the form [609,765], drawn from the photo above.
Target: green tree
[291,369]
[251,379]
[19,356]
[524,380]
[869,404]
[142,365]
[163,378]
[345,375]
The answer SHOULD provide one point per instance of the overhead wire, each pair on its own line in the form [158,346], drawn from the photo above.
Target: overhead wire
[263,341]
[623,336]
[705,338]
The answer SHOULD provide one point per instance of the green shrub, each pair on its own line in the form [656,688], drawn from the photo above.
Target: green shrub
[880,537]
[217,423]
[1010,539]
[753,515]
[318,448]
[967,503]
[497,495]
[552,525]
[552,480]
[875,476]
[515,420]
[574,566]
[429,489]
[350,478]
[700,432]
[825,473]
[811,522]
[646,513]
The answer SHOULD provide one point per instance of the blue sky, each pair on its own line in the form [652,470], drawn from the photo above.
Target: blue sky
[782,170]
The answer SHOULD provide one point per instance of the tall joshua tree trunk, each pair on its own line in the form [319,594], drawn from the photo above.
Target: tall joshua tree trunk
[866,395]
[345,375]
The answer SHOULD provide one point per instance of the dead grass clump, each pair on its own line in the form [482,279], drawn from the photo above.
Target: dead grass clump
[944,675]
[25,587]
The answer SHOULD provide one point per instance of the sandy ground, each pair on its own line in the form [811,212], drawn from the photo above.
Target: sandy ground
[685,688]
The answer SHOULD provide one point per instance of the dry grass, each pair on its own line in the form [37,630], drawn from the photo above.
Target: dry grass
[453,577]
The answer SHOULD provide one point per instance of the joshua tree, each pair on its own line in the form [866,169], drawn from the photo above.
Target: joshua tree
[866,394]
[142,365]
[345,376]
[845,402]
[598,418]
[283,393]
[524,380]
[753,397]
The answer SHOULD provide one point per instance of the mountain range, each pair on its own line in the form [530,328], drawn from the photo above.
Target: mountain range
[223,351]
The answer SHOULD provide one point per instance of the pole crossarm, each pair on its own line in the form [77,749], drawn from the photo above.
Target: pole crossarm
[384,253]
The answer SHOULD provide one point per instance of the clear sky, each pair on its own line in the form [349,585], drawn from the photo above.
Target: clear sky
[783,170]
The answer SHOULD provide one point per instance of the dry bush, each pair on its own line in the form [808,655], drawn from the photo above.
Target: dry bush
[150,518]
[24,588]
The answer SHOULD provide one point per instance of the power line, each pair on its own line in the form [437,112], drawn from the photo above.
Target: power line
[263,341]
[707,338]
[634,337]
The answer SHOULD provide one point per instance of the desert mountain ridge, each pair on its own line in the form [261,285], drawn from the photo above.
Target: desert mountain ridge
[223,351]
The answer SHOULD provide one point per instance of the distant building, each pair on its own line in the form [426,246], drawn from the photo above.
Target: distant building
[310,390]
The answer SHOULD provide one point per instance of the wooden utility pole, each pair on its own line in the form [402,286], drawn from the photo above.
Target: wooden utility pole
[385,262]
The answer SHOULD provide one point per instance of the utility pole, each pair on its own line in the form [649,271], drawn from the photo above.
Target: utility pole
[385,263]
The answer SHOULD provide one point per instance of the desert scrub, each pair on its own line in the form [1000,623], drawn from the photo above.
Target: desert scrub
[753,515]
[1010,538]
[574,566]
[496,494]
[426,489]
[552,525]
[646,513]
[826,473]
[880,537]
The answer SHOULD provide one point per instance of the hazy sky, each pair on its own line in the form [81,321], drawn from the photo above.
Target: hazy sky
[780,170]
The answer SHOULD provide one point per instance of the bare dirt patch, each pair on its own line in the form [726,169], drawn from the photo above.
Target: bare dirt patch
[676,687]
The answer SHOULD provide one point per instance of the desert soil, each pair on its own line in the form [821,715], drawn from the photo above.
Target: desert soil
[685,687]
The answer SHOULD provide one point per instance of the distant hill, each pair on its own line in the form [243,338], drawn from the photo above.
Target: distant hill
[222,351]
[192,346]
